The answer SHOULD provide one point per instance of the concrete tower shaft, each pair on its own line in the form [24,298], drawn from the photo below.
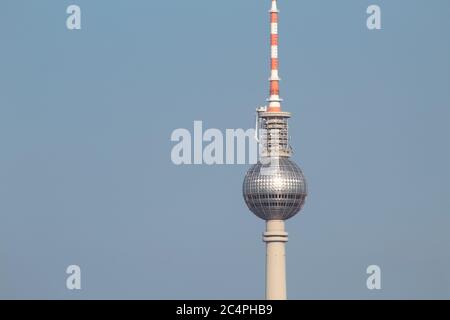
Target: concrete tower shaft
[275,238]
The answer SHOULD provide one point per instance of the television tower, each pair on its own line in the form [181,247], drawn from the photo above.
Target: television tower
[274,189]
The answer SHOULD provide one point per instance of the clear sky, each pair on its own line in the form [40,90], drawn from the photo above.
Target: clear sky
[86,176]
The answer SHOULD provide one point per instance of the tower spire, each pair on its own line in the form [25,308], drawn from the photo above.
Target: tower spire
[274,98]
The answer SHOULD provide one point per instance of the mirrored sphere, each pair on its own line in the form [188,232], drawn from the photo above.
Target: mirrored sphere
[275,190]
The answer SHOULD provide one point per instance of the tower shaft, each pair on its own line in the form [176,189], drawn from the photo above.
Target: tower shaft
[275,238]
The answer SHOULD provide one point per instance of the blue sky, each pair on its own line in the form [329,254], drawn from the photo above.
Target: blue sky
[86,176]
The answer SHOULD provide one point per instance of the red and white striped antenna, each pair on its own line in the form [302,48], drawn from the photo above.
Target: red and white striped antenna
[274,99]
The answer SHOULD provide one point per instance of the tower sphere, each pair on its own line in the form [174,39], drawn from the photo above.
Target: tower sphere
[275,190]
